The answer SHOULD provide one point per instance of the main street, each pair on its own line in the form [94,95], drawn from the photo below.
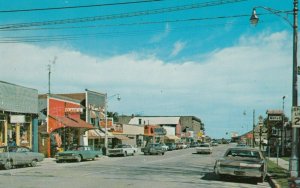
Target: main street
[180,168]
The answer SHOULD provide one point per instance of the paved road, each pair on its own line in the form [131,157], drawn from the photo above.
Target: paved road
[176,169]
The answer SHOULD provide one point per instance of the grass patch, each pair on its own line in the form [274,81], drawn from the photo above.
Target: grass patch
[286,158]
[279,174]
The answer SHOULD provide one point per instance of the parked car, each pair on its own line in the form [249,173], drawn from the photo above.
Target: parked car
[172,146]
[11,156]
[77,153]
[153,149]
[181,146]
[204,148]
[165,147]
[194,144]
[214,144]
[122,149]
[242,162]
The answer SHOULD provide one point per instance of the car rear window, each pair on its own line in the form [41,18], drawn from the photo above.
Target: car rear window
[243,153]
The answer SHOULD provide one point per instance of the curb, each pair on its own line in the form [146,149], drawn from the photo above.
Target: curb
[273,183]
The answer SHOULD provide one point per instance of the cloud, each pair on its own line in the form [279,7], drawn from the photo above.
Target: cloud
[161,36]
[252,74]
[177,48]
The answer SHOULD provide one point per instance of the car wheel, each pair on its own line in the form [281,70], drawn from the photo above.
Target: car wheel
[7,165]
[163,153]
[133,153]
[58,161]
[261,179]
[78,159]
[33,163]
[125,154]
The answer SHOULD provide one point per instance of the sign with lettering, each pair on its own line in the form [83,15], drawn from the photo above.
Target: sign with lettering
[295,116]
[275,118]
[160,131]
[73,110]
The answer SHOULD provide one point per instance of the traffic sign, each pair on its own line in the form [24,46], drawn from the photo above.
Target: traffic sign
[296,116]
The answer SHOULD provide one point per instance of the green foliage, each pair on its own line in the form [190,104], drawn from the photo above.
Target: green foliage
[279,174]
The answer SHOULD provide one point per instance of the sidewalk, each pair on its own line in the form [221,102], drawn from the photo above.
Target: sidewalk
[282,163]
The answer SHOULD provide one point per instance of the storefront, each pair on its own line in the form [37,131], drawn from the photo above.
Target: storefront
[18,115]
[64,128]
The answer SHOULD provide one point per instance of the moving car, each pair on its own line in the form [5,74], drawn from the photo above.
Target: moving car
[242,162]
[11,156]
[153,149]
[122,149]
[204,148]
[77,153]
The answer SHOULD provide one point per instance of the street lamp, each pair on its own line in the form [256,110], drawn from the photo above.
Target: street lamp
[254,20]
[106,106]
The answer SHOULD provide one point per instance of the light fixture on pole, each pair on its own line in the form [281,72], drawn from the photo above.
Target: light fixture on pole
[294,163]
[106,106]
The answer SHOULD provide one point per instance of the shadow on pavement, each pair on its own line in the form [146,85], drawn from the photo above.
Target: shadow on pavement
[211,176]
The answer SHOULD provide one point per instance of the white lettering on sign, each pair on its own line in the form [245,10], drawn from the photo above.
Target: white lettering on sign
[295,117]
[73,110]
[275,118]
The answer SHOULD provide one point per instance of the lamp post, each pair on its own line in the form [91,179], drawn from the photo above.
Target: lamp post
[294,165]
[106,106]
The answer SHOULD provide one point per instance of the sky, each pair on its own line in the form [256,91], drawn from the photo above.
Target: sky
[198,58]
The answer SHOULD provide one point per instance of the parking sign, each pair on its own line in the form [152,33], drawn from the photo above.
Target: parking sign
[296,117]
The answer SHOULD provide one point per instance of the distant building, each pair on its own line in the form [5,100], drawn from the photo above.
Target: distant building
[188,128]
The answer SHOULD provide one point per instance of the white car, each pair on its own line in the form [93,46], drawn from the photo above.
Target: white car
[242,162]
[165,147]
[204,148]
[122,149]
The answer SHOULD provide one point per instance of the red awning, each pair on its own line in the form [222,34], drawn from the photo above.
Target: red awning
[68,122]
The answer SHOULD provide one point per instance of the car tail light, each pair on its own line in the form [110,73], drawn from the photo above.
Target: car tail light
[262,167]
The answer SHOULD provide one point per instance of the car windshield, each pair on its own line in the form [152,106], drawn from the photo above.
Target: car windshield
[243,153]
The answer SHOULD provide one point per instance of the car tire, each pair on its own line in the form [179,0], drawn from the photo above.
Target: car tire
[33,163]
[163,153]
[125,154]
[78,159]
[7,165]
[58,161]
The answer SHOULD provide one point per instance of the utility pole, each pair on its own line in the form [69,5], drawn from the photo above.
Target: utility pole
[49,74]
[253,138]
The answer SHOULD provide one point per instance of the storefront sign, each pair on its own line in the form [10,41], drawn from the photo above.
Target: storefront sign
[275,118]
[73,110]
[17,118]
[160,131]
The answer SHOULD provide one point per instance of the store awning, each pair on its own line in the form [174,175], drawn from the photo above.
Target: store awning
[121,137]
[95,134]
[172,137]
[68,122]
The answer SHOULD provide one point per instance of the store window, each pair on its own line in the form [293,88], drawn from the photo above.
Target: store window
[25,134]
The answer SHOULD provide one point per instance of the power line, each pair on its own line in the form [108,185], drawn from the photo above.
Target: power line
[47,38]
[118,16]
[77,7]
